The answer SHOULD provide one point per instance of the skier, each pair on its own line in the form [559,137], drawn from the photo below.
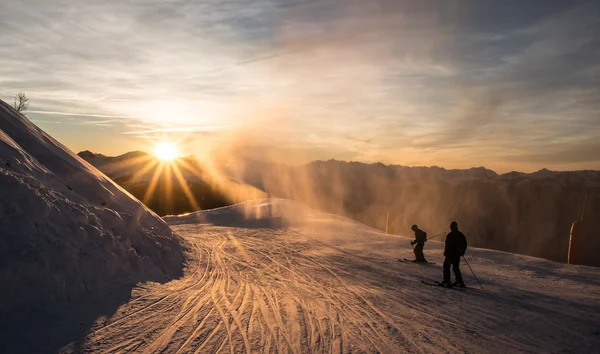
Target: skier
[456,245]
[420,238]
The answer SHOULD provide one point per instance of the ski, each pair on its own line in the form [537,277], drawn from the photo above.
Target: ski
[406,260]
[437,283]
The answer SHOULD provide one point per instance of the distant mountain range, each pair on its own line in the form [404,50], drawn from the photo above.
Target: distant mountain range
[525,213]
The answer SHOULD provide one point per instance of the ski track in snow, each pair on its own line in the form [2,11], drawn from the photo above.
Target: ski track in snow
[335,286]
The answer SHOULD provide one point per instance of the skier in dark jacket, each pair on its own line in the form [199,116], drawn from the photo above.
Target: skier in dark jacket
[456,245]
[420,238]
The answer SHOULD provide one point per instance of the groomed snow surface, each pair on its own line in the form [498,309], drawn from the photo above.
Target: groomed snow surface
[274,276]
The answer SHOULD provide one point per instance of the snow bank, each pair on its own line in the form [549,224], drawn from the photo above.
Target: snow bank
[253,213]
[65,228]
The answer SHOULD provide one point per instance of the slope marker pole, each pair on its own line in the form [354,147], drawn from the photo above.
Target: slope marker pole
[387,218]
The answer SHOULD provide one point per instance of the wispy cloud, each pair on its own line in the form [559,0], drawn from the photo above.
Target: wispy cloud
[46,121]
[54,113]
[107,122]
[179,130]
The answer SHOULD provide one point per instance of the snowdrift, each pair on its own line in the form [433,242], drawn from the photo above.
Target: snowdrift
[65,228]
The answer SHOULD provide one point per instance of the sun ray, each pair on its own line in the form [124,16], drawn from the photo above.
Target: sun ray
[168,186]
[192,169]
[145,169]
[186,189]
[153,182]
[127,164]
[135,161]
[232,189]
[211,176]
[207,176]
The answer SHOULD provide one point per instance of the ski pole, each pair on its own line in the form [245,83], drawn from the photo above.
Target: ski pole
[438,235]
[472,272]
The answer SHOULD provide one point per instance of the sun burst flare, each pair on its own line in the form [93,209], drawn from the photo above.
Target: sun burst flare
[166,151]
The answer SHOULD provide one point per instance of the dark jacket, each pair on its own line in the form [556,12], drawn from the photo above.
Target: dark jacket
[456,244]
[420,236]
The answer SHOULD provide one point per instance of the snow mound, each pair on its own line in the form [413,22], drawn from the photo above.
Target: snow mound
[65,228]
[252,213]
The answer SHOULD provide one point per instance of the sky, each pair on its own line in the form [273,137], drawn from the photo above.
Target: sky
[509,85]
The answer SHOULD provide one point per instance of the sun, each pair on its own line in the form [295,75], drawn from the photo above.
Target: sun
[165,151]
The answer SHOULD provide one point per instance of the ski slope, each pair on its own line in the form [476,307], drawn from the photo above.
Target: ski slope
[273,276]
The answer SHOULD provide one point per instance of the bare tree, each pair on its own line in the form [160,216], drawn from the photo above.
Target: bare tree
[21,102]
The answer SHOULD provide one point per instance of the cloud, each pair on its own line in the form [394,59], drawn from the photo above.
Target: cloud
[179,130]
[105,123]
[46,121]
[401,81]
[54,113]
[588,152]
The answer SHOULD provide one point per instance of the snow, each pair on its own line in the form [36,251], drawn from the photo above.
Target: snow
[276,276]
[65,228]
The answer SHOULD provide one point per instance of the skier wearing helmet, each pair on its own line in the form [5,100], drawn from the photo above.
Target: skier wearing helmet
[456,246]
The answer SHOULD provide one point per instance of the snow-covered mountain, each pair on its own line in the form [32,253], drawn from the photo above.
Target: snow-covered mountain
[67,230]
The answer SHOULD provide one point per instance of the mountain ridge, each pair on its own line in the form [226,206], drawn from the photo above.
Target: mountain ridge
[473,172]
